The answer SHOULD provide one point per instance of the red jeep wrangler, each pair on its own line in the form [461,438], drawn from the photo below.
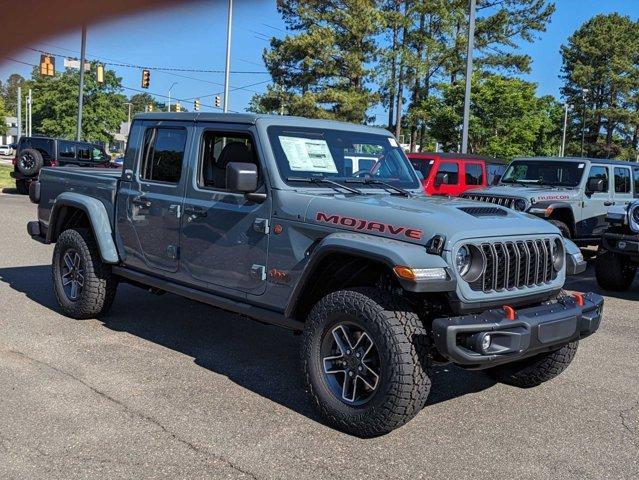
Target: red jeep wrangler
[454,173]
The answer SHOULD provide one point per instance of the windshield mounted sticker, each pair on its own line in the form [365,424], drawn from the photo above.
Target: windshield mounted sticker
[393,142]
[308,155]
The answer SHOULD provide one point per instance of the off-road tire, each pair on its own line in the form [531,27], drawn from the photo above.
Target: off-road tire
[402,343]
[31,169]
[534,371]
[563,228]
[614,272]
[22,187]
[100,284]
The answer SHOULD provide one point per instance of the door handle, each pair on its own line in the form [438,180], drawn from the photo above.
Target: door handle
[141,202]
[194,211]
[608,204]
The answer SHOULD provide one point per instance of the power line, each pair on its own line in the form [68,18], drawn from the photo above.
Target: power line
[163,69]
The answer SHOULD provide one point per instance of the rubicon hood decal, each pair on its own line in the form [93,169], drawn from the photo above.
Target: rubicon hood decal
[369,226]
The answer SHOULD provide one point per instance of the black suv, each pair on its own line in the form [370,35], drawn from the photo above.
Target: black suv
[33,153]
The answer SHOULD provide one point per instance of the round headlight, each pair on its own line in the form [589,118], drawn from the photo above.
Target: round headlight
[558,254]
[520,205]
[463,260]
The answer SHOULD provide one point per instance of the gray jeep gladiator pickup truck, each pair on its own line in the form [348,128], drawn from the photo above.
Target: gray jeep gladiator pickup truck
[265,216]
[574,194]
[618,257]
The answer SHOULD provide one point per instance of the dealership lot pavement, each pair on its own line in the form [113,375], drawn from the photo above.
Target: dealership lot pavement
[164,387]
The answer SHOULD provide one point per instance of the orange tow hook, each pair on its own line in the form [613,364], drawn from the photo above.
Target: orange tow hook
[579,299]
[510,312]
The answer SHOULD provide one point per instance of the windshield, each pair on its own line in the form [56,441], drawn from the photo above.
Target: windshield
[341,156]
[565,174]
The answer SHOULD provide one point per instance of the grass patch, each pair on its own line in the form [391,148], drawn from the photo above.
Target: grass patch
[5,180]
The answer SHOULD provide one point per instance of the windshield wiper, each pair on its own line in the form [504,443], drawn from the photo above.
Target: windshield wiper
[375,181]
[320,180]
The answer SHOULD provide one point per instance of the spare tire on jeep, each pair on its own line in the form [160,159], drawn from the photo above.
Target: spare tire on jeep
[29,162]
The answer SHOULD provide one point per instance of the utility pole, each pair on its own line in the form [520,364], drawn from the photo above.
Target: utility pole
[227,73]
[562,152]
[19,107]
[584,91]
[171,88]
[29,102]
[78,134]
[469,74]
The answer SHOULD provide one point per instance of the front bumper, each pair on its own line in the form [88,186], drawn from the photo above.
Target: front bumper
[533,330]
[620,243]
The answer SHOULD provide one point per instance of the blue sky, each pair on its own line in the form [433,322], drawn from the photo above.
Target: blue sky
[193,36]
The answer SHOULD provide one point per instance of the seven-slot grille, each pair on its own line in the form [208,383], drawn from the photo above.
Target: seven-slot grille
[517,264]
[503,201]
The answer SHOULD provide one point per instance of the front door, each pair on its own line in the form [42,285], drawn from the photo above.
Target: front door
[446,180]
[595,204]
[152,198]
[224,236]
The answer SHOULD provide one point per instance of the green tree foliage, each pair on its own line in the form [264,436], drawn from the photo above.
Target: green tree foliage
[322,70]
[9,92]
[602,57]
[141,101]
[507,118]
[55,105]
[3,115]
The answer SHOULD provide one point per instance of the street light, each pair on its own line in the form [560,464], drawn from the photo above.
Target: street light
[170,88]
[584,91]
[229,24]
[469,74]
[562,152]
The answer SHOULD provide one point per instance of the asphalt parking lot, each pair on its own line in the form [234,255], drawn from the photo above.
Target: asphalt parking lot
[164,387]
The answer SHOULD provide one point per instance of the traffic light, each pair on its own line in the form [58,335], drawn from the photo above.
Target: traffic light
[178,107]
[146,78]
[47,65]
[100,74]
[218,101]
[196,105]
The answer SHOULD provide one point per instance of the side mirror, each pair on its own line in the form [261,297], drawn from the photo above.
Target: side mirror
[596,185]
[442,178]
[241,177]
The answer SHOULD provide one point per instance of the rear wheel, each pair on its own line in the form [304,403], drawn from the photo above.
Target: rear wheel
[83,285]
[614,272]
[22,187]
[365,361]
[534,371]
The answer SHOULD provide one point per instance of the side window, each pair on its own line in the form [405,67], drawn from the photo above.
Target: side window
[84,152]
[216,151]
[422,165]
[635,175]
[474,174]
[622,180]
[66,149]
[452,169]
[495,172]
[163,154]
[597,172]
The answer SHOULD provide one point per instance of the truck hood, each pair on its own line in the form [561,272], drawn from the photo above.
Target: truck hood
[418,219]
[538,193]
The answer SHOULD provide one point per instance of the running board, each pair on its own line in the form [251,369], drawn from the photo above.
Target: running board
[256,313]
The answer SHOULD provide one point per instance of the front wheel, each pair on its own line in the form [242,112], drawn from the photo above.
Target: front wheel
[364,355]
[563,228]
[534,371]
[614,272]
[83,285]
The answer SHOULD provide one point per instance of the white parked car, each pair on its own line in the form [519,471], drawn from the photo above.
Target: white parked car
[6,150]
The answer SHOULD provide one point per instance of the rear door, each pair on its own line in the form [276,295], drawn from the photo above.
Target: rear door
[474,176]
[151,196]
[622,179]
[66,153]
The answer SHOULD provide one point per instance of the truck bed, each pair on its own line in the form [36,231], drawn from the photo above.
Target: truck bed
[98,183]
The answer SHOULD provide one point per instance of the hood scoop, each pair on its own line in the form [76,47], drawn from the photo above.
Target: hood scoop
[484,211]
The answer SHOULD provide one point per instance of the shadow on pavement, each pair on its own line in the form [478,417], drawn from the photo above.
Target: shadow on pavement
[9,190]
[261,358]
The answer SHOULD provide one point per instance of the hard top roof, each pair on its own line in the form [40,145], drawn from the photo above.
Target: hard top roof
[254,118]
[602,161]
[455,156]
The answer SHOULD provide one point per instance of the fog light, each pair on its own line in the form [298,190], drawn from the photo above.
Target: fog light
[484,342]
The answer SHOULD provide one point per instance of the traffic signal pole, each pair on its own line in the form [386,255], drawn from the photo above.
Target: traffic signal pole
[78,134]
[228,57]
